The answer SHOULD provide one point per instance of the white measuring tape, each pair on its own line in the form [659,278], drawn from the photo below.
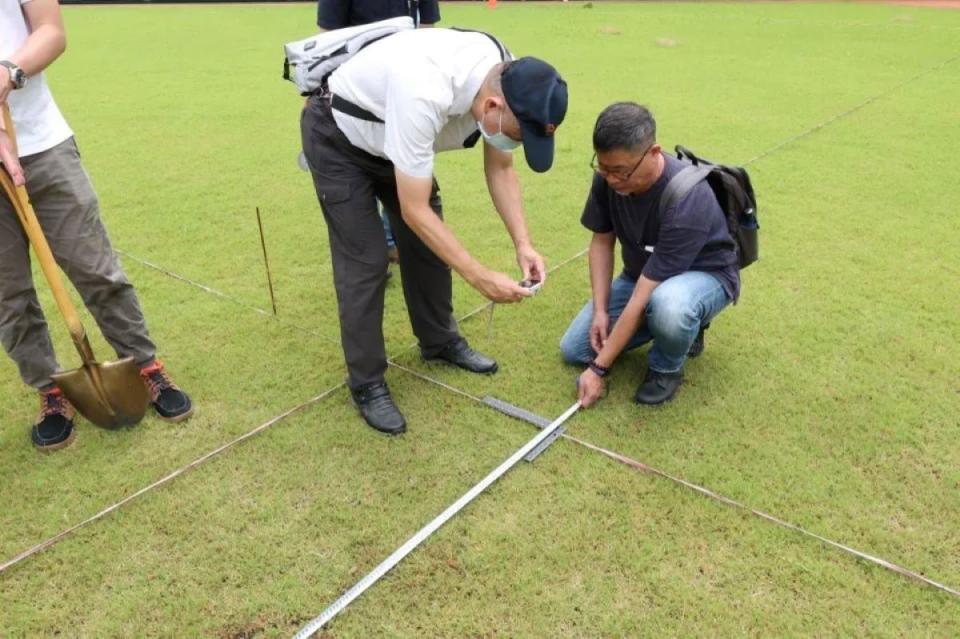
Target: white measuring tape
[374,575]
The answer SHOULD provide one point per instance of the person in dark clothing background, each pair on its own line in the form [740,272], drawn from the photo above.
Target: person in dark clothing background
[336,14]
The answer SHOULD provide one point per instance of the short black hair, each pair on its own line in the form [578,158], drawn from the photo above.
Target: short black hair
[624,125]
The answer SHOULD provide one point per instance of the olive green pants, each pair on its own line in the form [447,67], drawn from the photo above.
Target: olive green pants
[67,208]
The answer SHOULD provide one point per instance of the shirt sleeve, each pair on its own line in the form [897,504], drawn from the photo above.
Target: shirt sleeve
[429,11]
[683,234]
[596,213]
[416,111]
[332,14]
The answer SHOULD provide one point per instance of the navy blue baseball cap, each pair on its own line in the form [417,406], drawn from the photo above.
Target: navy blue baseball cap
[537,96]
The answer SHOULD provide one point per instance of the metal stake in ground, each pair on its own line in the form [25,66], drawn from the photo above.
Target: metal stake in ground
[374,575]
[266,262]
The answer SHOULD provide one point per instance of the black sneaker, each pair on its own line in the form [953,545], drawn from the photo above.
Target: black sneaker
[459,353]
[658,388]
[696,348]
[171,403]
[54,427]
[378,409]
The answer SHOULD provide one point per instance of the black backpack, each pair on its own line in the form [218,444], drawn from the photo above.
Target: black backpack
[731,185]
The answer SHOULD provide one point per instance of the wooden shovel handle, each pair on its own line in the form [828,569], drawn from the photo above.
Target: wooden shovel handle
[21,203]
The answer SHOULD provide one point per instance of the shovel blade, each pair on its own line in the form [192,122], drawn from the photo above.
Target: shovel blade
[109,394]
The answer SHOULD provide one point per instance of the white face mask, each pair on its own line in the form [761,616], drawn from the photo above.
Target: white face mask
[498,140]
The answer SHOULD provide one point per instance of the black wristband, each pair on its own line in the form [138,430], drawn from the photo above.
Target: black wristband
[599,370]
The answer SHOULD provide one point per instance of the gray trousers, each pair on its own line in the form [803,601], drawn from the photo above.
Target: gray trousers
[69,214]
[348,182]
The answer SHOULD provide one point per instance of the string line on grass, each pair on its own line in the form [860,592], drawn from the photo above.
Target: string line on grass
[167,478]
[706,492]
[292,325]
[851,110]
[109,509]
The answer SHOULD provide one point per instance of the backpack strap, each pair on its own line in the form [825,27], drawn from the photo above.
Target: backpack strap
[683,153]
[680,186]
[351,109]
[504,51]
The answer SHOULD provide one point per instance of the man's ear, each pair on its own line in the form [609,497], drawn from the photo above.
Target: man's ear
[493,102]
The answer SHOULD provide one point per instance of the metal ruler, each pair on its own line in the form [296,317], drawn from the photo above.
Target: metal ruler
[397,556]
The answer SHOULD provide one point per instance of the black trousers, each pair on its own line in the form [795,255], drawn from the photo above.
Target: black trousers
[348,182]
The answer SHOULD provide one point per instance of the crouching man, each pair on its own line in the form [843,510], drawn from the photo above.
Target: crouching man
[680,267]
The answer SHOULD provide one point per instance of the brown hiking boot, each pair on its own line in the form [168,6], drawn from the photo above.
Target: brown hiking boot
[54,426]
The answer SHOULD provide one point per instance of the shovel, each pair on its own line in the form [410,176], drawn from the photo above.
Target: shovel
[109,394]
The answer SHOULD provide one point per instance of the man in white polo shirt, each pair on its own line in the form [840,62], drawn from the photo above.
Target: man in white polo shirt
[31,38]
[373,133]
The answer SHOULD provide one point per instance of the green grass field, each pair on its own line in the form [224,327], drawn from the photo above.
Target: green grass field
[829,396]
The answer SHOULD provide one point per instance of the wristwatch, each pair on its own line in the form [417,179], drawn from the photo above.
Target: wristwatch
[17,76]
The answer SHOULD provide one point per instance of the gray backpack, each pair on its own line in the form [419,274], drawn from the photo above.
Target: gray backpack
[307,63]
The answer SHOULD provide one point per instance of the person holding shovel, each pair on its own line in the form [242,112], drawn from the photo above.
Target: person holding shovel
[47,162]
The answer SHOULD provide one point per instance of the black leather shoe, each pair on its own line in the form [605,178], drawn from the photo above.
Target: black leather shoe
[658,388]
[378,409]
[460,354]
[696,348]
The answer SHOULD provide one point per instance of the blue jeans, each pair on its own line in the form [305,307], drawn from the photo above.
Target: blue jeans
[676,311]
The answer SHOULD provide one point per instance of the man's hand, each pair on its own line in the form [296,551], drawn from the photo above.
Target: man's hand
[10,161]
[499,287]
[598,330]
[531,264]
[589,388]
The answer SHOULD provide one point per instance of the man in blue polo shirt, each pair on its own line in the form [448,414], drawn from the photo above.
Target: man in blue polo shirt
[680,267]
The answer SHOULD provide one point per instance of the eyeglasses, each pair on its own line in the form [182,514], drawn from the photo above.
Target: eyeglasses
[621,176]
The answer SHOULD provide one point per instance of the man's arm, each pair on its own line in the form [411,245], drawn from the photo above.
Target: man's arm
[590,385]
[628,323]
[414,195]
[504,187]
[601,274]
[47,40]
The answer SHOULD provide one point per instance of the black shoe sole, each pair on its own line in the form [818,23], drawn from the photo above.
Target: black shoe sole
[446,362]
[389,433]
[48,448]
[174,418]
[660,403]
